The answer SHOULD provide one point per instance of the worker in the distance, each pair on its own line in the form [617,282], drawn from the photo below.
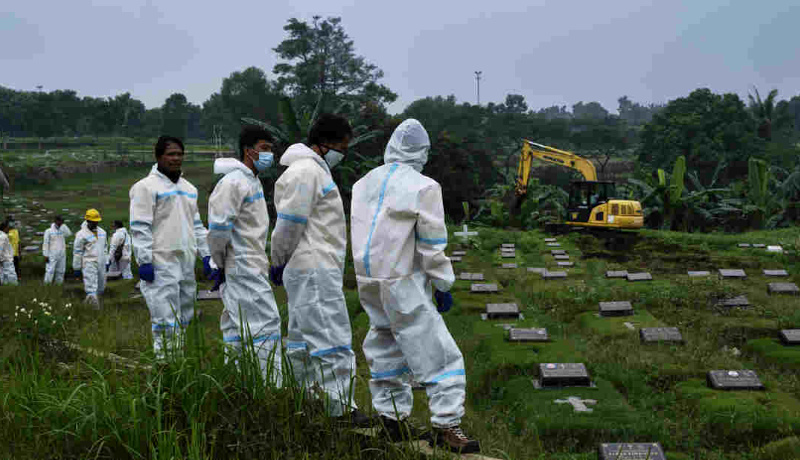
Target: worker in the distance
[238,226]
[89,257]
[167,237]
[8,276]
[119,251]
[308,252]
[54,249]
[13,237]
[399,236]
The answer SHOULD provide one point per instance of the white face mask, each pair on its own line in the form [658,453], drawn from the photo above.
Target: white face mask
[333,157]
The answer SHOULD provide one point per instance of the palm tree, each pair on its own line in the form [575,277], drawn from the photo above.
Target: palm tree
[762,111]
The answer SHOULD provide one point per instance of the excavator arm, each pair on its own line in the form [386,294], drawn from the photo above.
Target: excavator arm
[531,150]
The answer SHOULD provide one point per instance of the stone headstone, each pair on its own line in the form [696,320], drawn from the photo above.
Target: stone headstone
[777,249]
[113,275]
[616,274]
[561,257]
[509,265]
[698,273]
[502,310]
[744,245]
[471,276]
[550,240]
[528,335]
[619,308]
[565,264]
[578,404]
[64,209]
[738,301]
[776,273]
[209,295]
[790,336]
[783,288]
[631,451]
[538,270]
[507,246]
[743,379]
[759,246]
[30,248]
[660,334]
[563,374]
[455,258]
[554,245]
[459,253]
[508,255]
[483,288]
[39,233]
[548,275]
[644,276]
[558,252]
[732,273]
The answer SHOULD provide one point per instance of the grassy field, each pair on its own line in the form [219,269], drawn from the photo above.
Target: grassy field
[59,403]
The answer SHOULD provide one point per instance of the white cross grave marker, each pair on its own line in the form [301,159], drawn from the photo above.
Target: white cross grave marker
[577,403]
[465,234]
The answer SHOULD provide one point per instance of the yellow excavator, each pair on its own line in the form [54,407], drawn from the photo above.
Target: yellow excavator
[592,203]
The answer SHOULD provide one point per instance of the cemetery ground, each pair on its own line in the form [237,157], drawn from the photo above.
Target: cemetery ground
[59,402]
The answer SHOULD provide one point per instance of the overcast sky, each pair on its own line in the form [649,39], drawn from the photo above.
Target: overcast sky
[552,52]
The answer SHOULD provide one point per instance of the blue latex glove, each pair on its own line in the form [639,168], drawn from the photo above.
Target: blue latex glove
[207,267]
[78,274]
[218,276]
[108,265]
[444,300]
[276,274]
[147,273]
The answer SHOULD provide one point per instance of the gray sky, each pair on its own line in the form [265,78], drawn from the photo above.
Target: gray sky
[552,52]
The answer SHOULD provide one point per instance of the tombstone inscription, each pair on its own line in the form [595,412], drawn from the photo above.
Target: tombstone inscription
[790,336]
[550,240]
[563,374]
[554,245]
[509,266]
[616,274]
[743,379]
[539,270]
[644,276]
[618,308]
[209,295]
[776,273]
[732,273]
[459,253]
[783,288]
[558,252]
[660,334]
[528,335]
[471,276]
[481,288]
[631,451]
[738,301]
[561,257]
[698,273]
[548,275]
[502,310]
[565,264]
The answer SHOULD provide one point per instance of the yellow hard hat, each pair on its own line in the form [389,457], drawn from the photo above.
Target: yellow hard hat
[93,215]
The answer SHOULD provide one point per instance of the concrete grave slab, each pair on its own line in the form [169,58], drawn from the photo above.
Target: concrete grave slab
[631,451]
[483,288]
[470,276]
[617,308]
[698,273]
[578,404]
[558,275]
[550,240]
[30,248]
[744,245]
[563,375]
[554,245]
[502,310]
[459,253]
[736,273]
[558,252]
[565,264]
[209,295]
[561,257]
[508,255]
[616,274]
[743,379]
[759,246]
[738,301]
[776,273]
[509,266]
[777,249]
[644,276]
[783,288]
[790,336]
[528,334]
[455,259]
[660,334]
[507,246]
[538,270]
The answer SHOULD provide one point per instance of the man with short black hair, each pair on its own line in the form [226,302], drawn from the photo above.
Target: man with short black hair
[309,243]
[238,226]
[54,250]
[167,234]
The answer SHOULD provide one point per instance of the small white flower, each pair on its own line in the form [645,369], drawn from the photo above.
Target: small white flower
[54,322]
[69,318]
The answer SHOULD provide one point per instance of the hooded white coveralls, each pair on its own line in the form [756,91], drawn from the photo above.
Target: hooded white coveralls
[399,237]
[310,237]
[89,256]
[168,233]
[238,226]
[121,237]
[8,276]
[54,248]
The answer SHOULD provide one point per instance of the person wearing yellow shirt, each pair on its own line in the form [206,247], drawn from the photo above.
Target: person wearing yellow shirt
[13,238]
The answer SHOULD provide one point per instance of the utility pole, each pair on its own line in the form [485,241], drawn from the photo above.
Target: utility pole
[478,78]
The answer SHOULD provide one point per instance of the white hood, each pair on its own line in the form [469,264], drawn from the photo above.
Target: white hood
[226,165]
[299,151]
[409,145]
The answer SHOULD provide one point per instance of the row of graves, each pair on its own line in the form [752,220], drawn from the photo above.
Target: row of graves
[571,383]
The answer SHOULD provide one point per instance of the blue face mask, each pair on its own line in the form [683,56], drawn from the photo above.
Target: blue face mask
[264,161]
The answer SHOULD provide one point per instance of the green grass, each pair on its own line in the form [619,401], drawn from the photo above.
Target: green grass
[62,404]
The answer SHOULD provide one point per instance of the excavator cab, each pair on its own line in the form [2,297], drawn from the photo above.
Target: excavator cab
[595,204]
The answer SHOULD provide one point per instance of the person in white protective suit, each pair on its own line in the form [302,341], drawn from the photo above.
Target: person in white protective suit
[8,276]
[54,249]
[309,242]
[167,235]
[238,226]
[399,237]
[120,239]
[89,257]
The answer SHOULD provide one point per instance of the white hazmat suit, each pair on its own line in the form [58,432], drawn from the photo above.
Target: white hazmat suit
[54,248]
[238,226]
[399,237]
[167,233]
[121,237]
[310,237]
[89,256]
[8,276]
